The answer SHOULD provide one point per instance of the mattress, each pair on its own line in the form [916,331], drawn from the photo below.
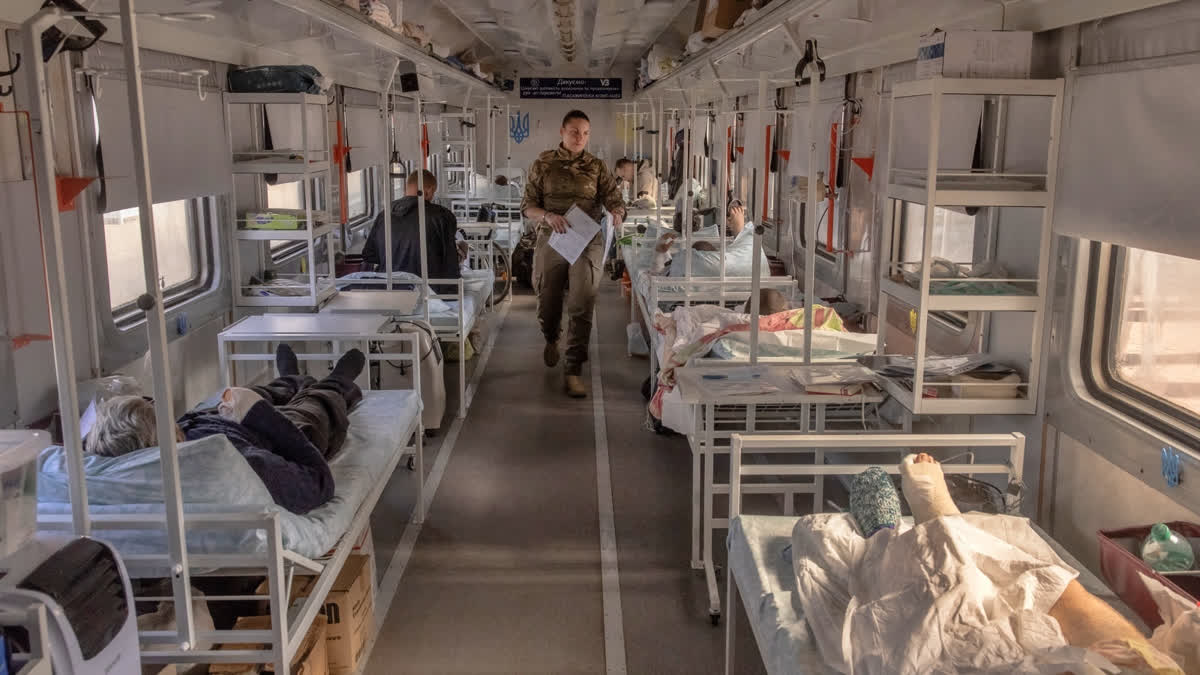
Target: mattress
[767,585]
[377,432]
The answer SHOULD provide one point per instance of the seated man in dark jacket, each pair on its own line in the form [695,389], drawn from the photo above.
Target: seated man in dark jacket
[286,430]
[440,228]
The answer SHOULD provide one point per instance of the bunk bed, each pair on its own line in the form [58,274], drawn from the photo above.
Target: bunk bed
[759,569]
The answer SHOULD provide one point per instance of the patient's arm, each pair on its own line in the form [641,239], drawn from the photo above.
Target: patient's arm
[1086,619]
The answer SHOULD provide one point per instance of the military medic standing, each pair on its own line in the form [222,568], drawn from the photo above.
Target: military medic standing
[569,176]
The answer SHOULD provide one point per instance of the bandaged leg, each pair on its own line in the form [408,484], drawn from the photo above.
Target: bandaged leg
[874,502]
[925,489]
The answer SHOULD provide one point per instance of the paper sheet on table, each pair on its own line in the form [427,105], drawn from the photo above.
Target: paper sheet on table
[580,231]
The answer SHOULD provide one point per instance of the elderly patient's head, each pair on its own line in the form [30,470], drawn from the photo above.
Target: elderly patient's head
[123,424]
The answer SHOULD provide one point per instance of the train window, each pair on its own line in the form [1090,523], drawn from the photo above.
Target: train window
[953,234]
[1138,353]
[291,196]
[357,195]
[183,240]
[1153,319]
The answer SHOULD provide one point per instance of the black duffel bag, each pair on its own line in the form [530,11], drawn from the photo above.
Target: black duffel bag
[275,80]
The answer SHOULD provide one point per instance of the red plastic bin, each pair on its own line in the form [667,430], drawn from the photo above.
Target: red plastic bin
[1121,563]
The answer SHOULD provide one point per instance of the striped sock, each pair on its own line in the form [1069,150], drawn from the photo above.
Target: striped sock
[873,501]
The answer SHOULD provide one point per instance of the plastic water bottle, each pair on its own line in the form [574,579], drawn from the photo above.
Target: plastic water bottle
[1165,551]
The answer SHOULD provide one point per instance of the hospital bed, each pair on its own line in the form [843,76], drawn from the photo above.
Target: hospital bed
[232,528]
[715,416]
[760,572]
[452,315]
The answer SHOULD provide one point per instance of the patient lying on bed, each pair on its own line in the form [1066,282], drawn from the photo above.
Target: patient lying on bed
[953,593]
[287,430]
[706,256]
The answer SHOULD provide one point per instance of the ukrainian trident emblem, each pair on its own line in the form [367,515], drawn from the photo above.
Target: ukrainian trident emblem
[518,127]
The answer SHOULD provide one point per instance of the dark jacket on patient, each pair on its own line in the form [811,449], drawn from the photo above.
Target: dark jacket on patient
[292,468]
[440,228]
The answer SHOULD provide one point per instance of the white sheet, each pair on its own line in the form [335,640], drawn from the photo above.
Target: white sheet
[955,594]
[761,561]
[376,433]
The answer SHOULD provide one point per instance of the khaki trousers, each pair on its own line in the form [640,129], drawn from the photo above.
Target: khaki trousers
[551,277]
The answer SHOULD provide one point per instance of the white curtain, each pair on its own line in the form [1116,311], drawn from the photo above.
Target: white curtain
[367,137]
[188,151]
[1130,157]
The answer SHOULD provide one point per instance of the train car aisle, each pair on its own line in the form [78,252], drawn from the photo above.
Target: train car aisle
[505,576]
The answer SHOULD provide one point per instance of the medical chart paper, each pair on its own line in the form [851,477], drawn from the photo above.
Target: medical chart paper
[580,231]
[609,230]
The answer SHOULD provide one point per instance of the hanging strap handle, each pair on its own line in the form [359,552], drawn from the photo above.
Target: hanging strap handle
[810,58]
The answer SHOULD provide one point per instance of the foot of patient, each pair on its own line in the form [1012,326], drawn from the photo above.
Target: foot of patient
[925,489]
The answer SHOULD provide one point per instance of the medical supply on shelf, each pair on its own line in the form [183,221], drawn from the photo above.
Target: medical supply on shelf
[1166,551]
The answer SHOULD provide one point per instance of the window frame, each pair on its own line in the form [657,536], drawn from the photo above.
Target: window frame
[955,322]
[288,250]
[202,224]
[1105,286]
[370,199]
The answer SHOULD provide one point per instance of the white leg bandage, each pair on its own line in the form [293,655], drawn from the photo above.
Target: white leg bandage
[925,490]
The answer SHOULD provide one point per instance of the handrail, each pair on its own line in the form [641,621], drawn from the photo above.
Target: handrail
[342,17]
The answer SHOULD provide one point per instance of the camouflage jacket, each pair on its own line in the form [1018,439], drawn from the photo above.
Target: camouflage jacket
[557,180]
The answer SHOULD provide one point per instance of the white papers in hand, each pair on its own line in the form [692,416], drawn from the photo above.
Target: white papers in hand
[580,231]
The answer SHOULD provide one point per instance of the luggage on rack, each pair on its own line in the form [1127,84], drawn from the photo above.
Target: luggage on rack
[276,80]
[398,375]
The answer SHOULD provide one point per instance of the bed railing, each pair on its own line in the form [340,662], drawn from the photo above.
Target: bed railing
[852,444]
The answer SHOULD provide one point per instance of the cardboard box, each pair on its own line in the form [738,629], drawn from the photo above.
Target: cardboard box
[349,608]
[721,16]
[350,613]
[366,546]
[311,659]
[970,53]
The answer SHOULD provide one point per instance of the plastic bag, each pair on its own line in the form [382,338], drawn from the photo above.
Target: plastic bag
[637,343]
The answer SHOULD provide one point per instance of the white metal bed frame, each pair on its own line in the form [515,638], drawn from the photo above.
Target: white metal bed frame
[717,420]
[693,291]
[458,332]
[289,623]
[850,444]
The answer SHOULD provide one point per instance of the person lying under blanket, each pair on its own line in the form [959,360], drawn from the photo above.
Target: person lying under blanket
[706,256]
[287,430]
[961,593]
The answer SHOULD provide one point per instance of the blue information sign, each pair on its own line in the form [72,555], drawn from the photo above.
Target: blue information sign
[576,87]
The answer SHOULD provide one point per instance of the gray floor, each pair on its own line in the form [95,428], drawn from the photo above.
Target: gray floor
[505,577]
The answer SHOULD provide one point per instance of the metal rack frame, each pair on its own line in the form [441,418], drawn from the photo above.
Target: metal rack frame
[932,188]
[312,163]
